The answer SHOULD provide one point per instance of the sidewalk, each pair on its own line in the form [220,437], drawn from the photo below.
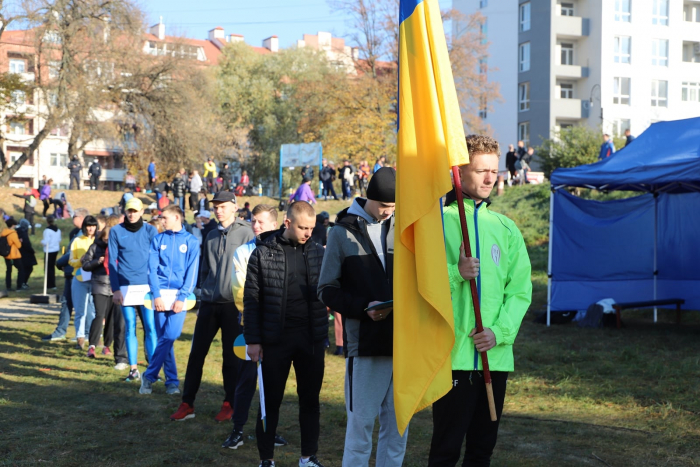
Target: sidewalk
[20,308]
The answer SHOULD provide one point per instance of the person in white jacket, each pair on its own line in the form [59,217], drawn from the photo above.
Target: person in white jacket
[52,244]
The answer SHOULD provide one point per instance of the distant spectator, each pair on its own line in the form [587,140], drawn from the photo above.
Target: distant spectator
[45,195]
[52,244]
[27,252]
[327,176]
[628,137]
[226,175]
[363,175]
[379,164]
[14,258]
[124,199]
[209,174]
[178,187]
[307,172]
[152,174]
[130,181]
[29,205]
[195,188]
[320,231]
[345,173]
[511,158]
[303,193]
[607,149]
[245,213]
[95,171]
[74,166]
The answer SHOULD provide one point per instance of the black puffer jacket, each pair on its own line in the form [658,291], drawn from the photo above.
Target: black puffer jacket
[91,262]
[265,292]
[178,187]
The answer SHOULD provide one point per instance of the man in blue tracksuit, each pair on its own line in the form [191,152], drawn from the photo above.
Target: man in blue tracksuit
[607,149]
[172,265]
[128,265]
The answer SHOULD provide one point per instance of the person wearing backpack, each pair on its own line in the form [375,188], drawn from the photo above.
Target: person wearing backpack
[9,249]
[29,204]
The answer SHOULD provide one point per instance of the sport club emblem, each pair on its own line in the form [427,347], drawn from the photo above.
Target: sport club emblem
[183,248]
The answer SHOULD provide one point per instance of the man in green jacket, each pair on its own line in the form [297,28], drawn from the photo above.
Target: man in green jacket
[501,267]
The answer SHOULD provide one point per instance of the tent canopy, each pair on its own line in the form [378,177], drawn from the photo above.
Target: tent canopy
[665,159]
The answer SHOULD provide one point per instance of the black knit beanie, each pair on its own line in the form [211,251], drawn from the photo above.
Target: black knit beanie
[382,186]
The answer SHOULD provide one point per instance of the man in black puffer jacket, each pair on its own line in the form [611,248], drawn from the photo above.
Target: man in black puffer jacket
[178,186]
[285,320]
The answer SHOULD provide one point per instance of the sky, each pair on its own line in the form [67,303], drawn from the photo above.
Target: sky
[254,19]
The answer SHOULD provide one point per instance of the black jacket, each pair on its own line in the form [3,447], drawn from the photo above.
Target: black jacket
[75,166]
[225,174]
[265,292]
[178,187]
[100,279]
[95,169]
[510,160]
[353,276]
[327,174]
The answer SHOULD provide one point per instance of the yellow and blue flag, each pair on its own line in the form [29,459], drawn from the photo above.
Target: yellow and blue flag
[430,141]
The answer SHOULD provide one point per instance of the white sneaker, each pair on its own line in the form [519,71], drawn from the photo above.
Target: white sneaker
[121,366]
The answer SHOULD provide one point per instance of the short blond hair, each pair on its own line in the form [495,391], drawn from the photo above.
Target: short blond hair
[481,144]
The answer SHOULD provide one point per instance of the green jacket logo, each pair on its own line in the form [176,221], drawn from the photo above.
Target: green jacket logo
[496,254]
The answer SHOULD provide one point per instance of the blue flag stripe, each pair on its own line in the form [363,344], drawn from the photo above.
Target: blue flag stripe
[406,9]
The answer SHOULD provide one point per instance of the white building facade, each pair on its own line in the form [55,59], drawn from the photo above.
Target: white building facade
[615,64]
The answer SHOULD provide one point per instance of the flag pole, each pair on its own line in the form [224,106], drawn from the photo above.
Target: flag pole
[475,294]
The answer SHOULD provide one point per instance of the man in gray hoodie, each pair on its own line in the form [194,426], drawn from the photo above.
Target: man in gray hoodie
[218,308]
[357,273]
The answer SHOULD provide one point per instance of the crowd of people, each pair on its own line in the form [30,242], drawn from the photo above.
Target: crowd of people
[276,285]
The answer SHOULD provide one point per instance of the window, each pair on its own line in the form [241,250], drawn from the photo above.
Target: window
[17,65]
[59,160]
[659,12]
[525,17]
[659,52]
[17,128]
[524,55]
[567,54]
[623,49]
[54,68]
[524,97]
[691,12]
[659,93]
[620,125]
[691,52]
[623,10]
[621,91]
[52,37]
[567,9]
[524,133]
[567,91]
[690,92]
[18,97]
[484,30]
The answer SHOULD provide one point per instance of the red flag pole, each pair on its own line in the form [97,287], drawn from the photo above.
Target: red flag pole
[475,294]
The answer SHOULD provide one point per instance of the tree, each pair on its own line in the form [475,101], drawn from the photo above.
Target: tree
[570,147]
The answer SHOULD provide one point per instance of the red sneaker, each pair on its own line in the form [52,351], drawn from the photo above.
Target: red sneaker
[106,351]
[184,412]
[91,352]
[225,414]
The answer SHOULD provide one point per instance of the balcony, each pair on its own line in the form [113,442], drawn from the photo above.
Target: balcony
[27,77]
[571,71]
[571,27]
[570,109]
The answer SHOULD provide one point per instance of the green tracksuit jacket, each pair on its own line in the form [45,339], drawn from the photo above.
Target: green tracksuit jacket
[504,284]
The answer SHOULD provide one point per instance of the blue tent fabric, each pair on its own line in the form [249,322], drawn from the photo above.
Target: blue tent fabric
[666,157]
[606,249]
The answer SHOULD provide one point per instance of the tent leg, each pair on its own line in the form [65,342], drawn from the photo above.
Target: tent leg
[656,272]
[549,261]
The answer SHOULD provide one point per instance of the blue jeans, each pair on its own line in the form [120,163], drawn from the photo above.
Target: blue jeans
[180,201]
[168,327]
[149,331]
[84,306]
[66,309]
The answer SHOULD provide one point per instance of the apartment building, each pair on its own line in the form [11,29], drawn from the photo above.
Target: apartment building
[18,55]
[615,64]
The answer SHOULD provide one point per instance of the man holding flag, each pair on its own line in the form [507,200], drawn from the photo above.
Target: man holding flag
[502,272]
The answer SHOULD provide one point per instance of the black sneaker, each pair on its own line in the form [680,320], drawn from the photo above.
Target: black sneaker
[234,441]
[279,441]
[267,464]
[312,462]
[134,375]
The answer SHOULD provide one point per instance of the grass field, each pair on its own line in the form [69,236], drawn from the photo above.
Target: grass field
[578,397]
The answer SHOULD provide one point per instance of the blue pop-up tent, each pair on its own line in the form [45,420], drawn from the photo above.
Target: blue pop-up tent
[637,249]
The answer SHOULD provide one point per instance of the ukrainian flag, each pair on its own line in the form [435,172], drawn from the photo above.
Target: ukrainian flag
[430,141]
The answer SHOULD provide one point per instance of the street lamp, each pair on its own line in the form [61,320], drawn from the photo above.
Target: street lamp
[597,86]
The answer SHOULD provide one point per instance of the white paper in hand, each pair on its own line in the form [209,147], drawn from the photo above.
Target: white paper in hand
[133,295]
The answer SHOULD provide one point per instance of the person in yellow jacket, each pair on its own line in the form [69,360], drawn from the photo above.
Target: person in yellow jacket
[81,288]
[501,267]
[210,176]
[15,257]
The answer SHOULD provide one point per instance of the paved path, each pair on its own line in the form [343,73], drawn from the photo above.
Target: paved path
[20,308]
